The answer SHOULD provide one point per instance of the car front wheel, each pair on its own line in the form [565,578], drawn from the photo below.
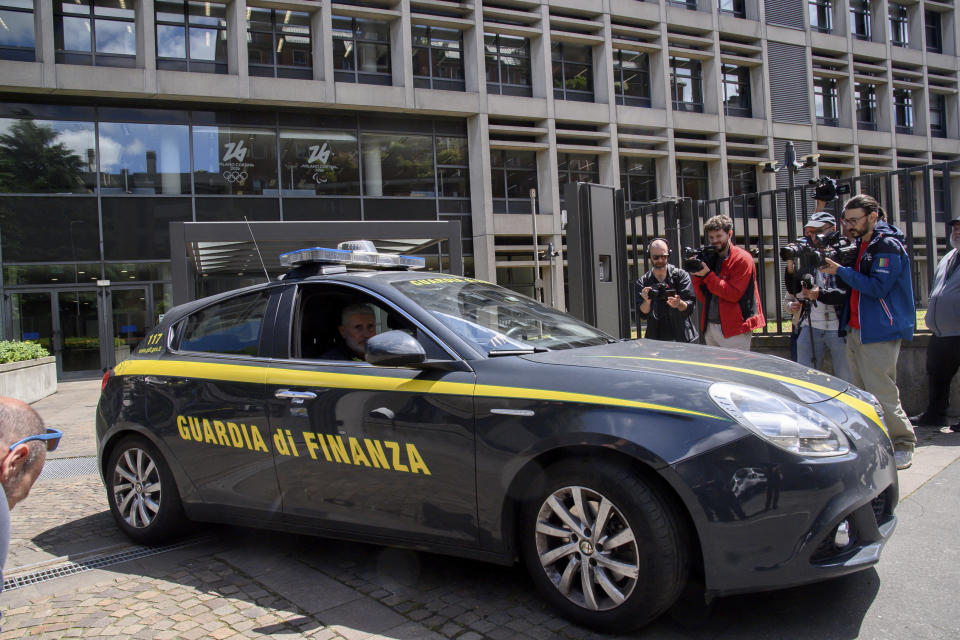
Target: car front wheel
[142,493]
[602,547]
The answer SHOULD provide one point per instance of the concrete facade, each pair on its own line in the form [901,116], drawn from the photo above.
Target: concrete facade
[541,123]
[30,380]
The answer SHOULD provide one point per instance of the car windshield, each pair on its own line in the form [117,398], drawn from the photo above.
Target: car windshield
[497,320]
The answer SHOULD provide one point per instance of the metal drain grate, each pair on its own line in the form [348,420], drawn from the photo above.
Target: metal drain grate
[71,568]
[69,467]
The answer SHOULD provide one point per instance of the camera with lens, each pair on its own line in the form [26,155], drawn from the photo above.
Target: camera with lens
[838,248]
[694,259]
[827,189]
[811,256]
[660,291]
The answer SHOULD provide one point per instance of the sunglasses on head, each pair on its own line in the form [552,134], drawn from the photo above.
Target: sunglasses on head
[51,438]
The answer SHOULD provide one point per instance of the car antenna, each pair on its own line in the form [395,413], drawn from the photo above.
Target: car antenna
[257,247]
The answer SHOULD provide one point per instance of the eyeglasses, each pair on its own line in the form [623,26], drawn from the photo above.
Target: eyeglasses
[661,256]
[51,437]
[853,220]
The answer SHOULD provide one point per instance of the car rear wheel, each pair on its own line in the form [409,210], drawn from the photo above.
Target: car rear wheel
[602,547]
[142,493]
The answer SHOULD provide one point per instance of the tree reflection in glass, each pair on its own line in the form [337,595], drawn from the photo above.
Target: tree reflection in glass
[39,156]
[397,165]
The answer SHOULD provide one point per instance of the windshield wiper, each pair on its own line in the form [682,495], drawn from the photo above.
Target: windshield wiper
[516,352]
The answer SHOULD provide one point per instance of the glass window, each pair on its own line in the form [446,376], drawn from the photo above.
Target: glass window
[638,178]
[47,156]
[437,58]
[453,173]
[397,165]
[690,5]
[686,84]
[631,77]
[572,71]
[899,27]
[508,65]
[866,97]
[278,43]
[512,174]
[361,51]
[903,110]
[736,91]
[825,101]
[144,158]
[319,163]
[234,161]
[230,327]
[576,168]
[742,181]
[49,229]
[95,32]
[934,30]
[736,8]
[692,181]
[821,15]
[938,115]
[860,19]
[140,230]
[16,35]
[191,36]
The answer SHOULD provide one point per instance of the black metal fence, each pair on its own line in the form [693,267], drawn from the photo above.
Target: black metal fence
[916,199]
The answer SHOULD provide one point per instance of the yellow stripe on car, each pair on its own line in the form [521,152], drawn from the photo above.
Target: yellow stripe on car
[854,403]
[303,378]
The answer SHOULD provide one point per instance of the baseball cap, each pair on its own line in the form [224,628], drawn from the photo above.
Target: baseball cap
[820,219]
[954,221]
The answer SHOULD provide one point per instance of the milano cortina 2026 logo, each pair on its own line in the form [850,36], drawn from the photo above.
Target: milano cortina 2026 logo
[233,165]
[317,162]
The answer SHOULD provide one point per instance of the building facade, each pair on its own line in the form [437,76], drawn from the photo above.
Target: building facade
[120,116]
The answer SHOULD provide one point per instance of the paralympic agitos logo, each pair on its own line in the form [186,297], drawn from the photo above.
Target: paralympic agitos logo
[370,452]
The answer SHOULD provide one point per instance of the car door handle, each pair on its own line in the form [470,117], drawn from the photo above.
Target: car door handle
[294,395]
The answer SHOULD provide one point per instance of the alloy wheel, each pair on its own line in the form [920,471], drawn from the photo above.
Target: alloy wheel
[136,488]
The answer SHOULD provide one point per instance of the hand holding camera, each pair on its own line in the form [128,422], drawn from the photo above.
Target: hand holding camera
[659,291]
[695,260]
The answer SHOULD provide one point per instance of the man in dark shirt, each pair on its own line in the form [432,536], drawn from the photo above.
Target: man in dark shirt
[668,318]
[358,323]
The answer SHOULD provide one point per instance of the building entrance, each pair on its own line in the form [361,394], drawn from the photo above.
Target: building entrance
[88,329]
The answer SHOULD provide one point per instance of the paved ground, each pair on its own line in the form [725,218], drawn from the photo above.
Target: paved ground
[239,583]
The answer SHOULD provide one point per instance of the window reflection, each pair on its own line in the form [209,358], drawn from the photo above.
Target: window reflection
[235,161]
[104,28]
[319,162]
[16,30]
[204,49]
[144,158]
[397,165]
[46,156]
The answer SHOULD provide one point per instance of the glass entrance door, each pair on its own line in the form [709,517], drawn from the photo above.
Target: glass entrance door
[87,329]
[79,339]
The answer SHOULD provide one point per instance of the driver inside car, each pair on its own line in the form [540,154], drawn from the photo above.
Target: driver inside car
[358,323]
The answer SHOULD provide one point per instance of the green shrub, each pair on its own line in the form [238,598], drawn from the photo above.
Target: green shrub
[15,351]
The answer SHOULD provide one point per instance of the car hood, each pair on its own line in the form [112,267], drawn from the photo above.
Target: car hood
[709,364]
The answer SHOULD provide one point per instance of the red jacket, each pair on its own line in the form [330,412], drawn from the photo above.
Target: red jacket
[736,287]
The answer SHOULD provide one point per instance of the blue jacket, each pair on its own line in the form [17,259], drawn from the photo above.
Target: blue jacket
[887,310]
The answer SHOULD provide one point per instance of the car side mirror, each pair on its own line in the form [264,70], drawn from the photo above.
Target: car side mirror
[394,349]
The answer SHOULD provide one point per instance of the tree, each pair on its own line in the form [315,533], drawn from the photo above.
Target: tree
[30,161]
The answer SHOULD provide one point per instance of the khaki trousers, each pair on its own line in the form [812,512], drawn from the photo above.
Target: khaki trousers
[714,338]
[873,367]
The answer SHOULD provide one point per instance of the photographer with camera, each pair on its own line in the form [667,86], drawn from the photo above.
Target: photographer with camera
[665,298]
[879,313]
[725,281]
[819,296]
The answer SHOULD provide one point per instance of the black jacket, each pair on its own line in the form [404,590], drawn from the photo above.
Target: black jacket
[835,296]
[663,321]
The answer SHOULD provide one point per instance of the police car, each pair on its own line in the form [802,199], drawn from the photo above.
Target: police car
[484,424]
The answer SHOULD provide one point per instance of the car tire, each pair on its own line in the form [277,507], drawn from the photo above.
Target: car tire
[620,577]
[142,493]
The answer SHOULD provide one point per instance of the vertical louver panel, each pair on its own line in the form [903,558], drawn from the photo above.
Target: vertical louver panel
[789,86]
[785,13]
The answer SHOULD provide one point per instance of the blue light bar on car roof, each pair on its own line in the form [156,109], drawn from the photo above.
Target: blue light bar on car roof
[322,255]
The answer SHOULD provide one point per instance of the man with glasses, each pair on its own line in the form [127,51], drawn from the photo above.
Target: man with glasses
[665,298]
[24,443]
[879,313]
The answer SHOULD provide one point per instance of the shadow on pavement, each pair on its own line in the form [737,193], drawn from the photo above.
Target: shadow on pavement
[324,582]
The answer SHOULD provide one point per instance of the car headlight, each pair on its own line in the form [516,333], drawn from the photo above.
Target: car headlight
[787,424]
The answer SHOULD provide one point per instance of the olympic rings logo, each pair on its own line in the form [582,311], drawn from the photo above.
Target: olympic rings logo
[235,176]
